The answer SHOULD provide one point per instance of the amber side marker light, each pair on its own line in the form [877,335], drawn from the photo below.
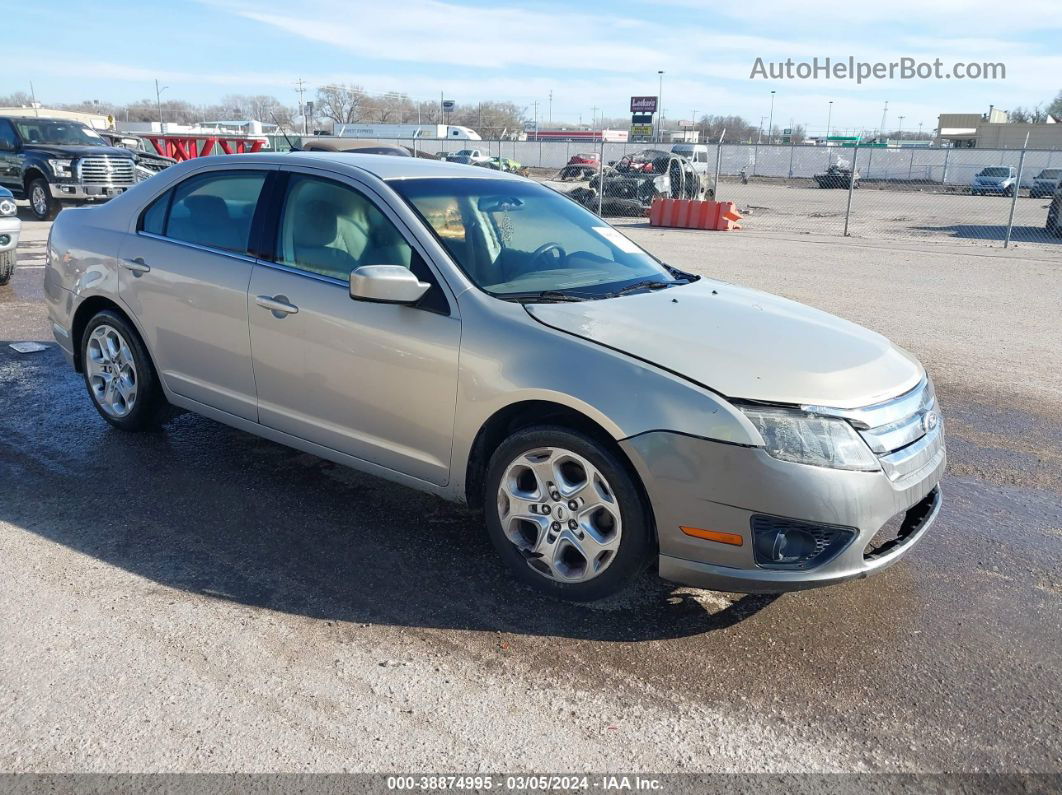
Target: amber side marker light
[713,535]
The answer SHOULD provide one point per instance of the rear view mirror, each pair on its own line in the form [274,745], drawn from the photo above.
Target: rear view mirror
[387,284]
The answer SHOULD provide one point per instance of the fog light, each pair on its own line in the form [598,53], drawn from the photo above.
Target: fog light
[5,239]
[791,544]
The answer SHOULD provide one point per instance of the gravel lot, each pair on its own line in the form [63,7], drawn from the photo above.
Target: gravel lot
[202,600]
[885,214]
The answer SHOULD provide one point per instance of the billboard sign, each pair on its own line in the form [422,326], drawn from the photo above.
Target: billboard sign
[643,104]
[448,105]
[642,130]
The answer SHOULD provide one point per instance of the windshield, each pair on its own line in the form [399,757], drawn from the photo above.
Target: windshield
[515,237]
[995,172]
[1051,173]
[63,133]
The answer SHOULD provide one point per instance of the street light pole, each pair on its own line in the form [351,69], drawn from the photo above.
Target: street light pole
[158,101]
[899,131]
[770,124]
[660,99]
[829,116]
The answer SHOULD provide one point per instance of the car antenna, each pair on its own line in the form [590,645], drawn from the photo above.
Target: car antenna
[291,146]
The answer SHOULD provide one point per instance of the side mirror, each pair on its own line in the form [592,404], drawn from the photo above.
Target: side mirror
[386,284]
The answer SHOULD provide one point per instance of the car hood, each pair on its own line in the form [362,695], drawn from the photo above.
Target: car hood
[744,343]
[55,150]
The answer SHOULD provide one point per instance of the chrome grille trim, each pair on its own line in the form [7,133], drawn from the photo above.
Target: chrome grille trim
[878,414]
[911,460]
[106,170]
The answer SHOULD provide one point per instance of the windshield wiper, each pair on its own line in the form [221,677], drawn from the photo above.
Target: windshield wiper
[539,297]
[649,284]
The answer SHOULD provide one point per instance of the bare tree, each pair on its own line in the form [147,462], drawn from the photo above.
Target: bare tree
[340,103]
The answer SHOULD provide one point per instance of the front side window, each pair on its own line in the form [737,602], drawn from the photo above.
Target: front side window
[514,237]
[214,209]
[330,229]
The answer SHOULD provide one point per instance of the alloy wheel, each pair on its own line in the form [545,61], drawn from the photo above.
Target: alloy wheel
[39,200]
[111,371]
[561,513]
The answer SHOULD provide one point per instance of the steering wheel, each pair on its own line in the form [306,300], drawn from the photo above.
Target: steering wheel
[544,249]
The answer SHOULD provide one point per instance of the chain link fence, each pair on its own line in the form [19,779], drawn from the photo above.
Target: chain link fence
[916,193]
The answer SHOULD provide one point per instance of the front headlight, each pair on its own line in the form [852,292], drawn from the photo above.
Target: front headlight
[791,435]
[62,168]
[7,207]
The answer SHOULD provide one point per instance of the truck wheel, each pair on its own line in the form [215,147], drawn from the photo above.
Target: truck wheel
[43,205]
[7,266]
[565,514]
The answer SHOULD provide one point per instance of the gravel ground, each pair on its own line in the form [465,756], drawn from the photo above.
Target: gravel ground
[202,600]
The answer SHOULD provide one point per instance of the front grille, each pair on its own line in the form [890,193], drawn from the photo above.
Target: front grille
[106,170]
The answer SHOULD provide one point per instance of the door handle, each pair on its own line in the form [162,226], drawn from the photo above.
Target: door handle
[278,305]
[137,266]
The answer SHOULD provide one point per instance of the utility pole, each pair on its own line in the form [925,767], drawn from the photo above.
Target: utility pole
[594,111]
[299,89]
[884,114]
[33,100]
[551,106]
[770,124]
[829,117]
[660,100]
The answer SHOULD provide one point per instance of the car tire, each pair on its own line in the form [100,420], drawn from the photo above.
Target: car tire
[596,517]
[7,266]
[119,375]
[1009,192]
[43,205]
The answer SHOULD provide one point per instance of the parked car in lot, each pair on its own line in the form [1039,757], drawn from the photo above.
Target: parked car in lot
[148,161]
[1046,183]
[1001,180]
[54,162]
[837,176]
[10,228]
[468,156]
[1054,214]
[480,337]
[581,166]
[504,164]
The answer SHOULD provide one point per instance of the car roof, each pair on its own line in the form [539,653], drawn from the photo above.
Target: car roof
[386,167]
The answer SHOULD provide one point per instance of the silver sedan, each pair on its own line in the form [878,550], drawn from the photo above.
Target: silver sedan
[478,336]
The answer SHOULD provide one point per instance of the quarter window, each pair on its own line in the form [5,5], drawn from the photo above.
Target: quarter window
[8,141]
[212,210]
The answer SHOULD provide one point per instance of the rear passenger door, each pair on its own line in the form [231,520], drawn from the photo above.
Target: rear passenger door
[184,275]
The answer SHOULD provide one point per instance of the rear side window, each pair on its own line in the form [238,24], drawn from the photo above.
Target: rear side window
[212,210]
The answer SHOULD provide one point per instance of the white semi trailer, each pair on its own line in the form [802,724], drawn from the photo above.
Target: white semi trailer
[407,131]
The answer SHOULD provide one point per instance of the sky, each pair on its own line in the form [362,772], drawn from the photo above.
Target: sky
[593,56]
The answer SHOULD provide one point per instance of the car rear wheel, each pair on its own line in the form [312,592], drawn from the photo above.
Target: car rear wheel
[565,514]
[42,204]
[7,266]
[119,374]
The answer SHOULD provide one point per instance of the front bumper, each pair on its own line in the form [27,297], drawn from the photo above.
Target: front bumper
[10,229]
[75,191]
[719,487]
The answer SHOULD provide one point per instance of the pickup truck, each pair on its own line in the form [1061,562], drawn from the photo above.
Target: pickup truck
[1046,183]
[53,162]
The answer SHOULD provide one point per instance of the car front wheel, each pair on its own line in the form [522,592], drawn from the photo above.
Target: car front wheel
[565,514]
[7,266]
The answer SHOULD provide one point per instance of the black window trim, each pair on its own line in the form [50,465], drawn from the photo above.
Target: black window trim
[169,193]
[265,233]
